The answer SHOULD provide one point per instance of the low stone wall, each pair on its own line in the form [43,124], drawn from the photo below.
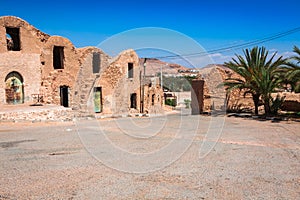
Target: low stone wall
[36,115]
[291,101]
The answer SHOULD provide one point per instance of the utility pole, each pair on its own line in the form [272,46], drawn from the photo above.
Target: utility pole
[161,78]
[143,86]
[162,85]
[141,103]
[145,69]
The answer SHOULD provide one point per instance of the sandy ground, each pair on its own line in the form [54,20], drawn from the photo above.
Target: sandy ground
[243,159]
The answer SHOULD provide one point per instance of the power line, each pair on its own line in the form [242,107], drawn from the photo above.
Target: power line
[237,46]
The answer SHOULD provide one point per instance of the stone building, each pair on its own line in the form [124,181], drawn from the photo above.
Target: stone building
[20,60]
[208,95]
[154,96]
[120,83]
[37,67]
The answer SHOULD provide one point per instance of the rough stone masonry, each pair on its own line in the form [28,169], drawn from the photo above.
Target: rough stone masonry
[37,67]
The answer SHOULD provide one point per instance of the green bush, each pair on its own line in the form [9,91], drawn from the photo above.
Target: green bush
[170,102]
[187,103]
[276,104]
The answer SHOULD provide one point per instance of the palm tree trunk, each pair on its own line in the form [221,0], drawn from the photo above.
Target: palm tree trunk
[267,106]
[255,98]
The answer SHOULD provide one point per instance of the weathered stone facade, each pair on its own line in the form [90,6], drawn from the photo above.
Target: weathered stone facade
[153,95]
[215,96]
[24,60]
[34,64]
[119,80]
[91,60]
[65,75]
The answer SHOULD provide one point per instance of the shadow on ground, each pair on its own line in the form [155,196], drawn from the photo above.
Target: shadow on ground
[275,119]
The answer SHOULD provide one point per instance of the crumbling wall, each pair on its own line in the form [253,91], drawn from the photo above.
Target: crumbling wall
[235,100]
[153,97]
[291,101]
[53,68]
[117,87]
[52,78]
[88,76]
[214,93]
[26,60]
[31,38]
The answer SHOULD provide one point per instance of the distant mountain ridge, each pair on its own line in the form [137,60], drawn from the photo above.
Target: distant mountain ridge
[154,66]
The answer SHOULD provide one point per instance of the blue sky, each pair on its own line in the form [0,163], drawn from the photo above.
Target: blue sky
[213,24]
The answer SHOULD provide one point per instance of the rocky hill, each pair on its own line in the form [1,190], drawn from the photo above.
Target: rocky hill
[153,66]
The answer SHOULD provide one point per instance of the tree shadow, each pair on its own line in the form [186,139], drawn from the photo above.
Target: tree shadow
[262,118]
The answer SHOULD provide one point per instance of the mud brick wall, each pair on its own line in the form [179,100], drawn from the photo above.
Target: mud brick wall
[153,97]
[27,66]
[117,86]
[51,66]
[92,61]
[25,61]
[197,96]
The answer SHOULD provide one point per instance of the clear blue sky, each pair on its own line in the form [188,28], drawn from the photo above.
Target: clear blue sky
[213,24]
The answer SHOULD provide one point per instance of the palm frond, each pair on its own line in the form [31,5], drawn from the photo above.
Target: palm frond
[260,73]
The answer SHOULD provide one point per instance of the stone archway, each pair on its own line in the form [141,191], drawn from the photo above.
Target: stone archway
[14,89]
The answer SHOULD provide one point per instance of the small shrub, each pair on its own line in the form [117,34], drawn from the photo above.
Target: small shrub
[187,103]
[170,102]
[276,104]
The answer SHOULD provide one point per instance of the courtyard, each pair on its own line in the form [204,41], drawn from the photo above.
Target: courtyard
[177,156]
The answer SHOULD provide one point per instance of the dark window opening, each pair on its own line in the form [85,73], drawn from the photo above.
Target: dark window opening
[96,63]
[64,96]
[133,100]
[13,39]
[130,70]
[153,97]
[58,57]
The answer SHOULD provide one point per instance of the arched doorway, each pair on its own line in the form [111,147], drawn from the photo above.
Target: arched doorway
[14,89]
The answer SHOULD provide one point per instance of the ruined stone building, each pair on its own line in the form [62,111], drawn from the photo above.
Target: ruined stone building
[208,96]
[37,67]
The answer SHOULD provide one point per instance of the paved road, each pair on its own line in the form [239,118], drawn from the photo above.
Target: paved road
[173,157]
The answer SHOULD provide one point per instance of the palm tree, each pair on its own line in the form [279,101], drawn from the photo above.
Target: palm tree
[294,70]
[268,80]
[259,76]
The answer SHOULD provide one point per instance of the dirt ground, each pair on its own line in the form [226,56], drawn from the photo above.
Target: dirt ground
[234,158]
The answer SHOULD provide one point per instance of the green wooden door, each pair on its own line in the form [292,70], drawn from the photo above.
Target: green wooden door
[98,99]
